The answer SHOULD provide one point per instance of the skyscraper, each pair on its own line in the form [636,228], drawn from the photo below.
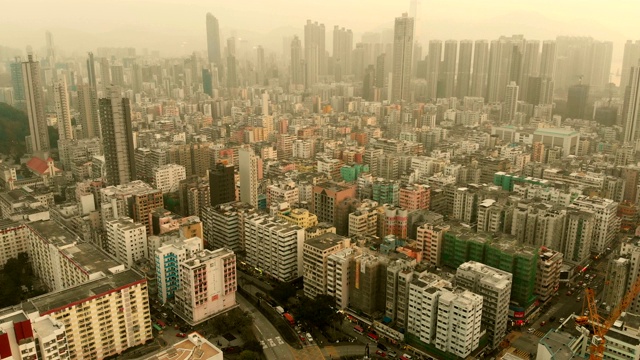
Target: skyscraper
[248,177]
[117,137]
[449,68]
[380,74]
[38,131]
[260,65]
[314,52]
[88,108]
[342,48]
[510,102]
[91,70]
[433,68]
[504,53]
[368,83]
[207,82]
[630,59]
[480,68]
[213,40]
[548,59]
[297,70]
[530,66]
[402,57]
[222,184]
[463,81]
[632,116]
[577,101]
[61,98]
[17,83]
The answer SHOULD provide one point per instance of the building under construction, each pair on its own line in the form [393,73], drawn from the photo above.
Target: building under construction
[500,251]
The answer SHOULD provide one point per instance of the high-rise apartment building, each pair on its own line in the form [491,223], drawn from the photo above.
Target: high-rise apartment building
[117,137]
[463,77]
[167,263]
[338,275]
[166,178]
[548,275]
[25,337]
[297,64]
[208,285]
[629,60]
[222,184]
[510,102]
[433,68]
[88,109]
[402,58]
[274,246]
[249,176]
[126,240]
[314,52]
[494,286]
[17,83]
[102,317]
[449,318]
[632,105]
[314,261]
[480,68]
[61,98]
[223,225]
[213,40]
[448,71]
[327,196]
[607,223]
[429,237]
[342,49]
[38,130]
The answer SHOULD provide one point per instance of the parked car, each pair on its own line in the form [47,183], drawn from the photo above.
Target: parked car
[543,323]
[392,354]
[531,330]
[382,347]
[381,353]
[180,334]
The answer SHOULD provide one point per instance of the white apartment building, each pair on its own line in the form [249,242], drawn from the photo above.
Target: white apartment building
[338,275]
[494,286]
[303,149]
[36,337]
[607,223]
[274,246]
[424,292]
[13,240]
[548,274]
[284,191]
[101,318]
[167,177]
[222,225]
[126,240]
[248,177]
[448,318]
[61,262]
[168,259]
[314,256]
[208,285]
[459,319]
[579,236]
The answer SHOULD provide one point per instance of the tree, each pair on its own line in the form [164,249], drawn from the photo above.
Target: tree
[253,345]
[248,355]
[282,292]
[316,312]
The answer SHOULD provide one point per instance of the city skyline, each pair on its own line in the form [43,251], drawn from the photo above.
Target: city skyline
[160,29]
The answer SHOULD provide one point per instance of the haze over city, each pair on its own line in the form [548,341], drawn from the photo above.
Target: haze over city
[176,28]
[356,180]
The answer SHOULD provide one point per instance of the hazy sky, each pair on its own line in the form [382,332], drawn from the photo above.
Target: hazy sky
[178,26]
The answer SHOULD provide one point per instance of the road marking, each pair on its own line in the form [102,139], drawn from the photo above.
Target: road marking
[280,342]
[271,342]
[264,346]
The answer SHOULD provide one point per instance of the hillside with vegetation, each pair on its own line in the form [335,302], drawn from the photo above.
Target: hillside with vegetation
[14,126]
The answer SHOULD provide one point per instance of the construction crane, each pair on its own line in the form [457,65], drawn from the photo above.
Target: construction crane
[601,325]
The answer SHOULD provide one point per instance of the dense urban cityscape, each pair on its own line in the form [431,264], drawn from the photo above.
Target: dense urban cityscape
[339,197]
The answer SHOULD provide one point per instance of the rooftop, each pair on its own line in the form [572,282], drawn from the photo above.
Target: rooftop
[556,132]
[326,241]
[58,300]
[194,346]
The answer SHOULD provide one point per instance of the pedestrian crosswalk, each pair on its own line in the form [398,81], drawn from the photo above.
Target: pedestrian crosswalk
[271,342]
[521,353]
